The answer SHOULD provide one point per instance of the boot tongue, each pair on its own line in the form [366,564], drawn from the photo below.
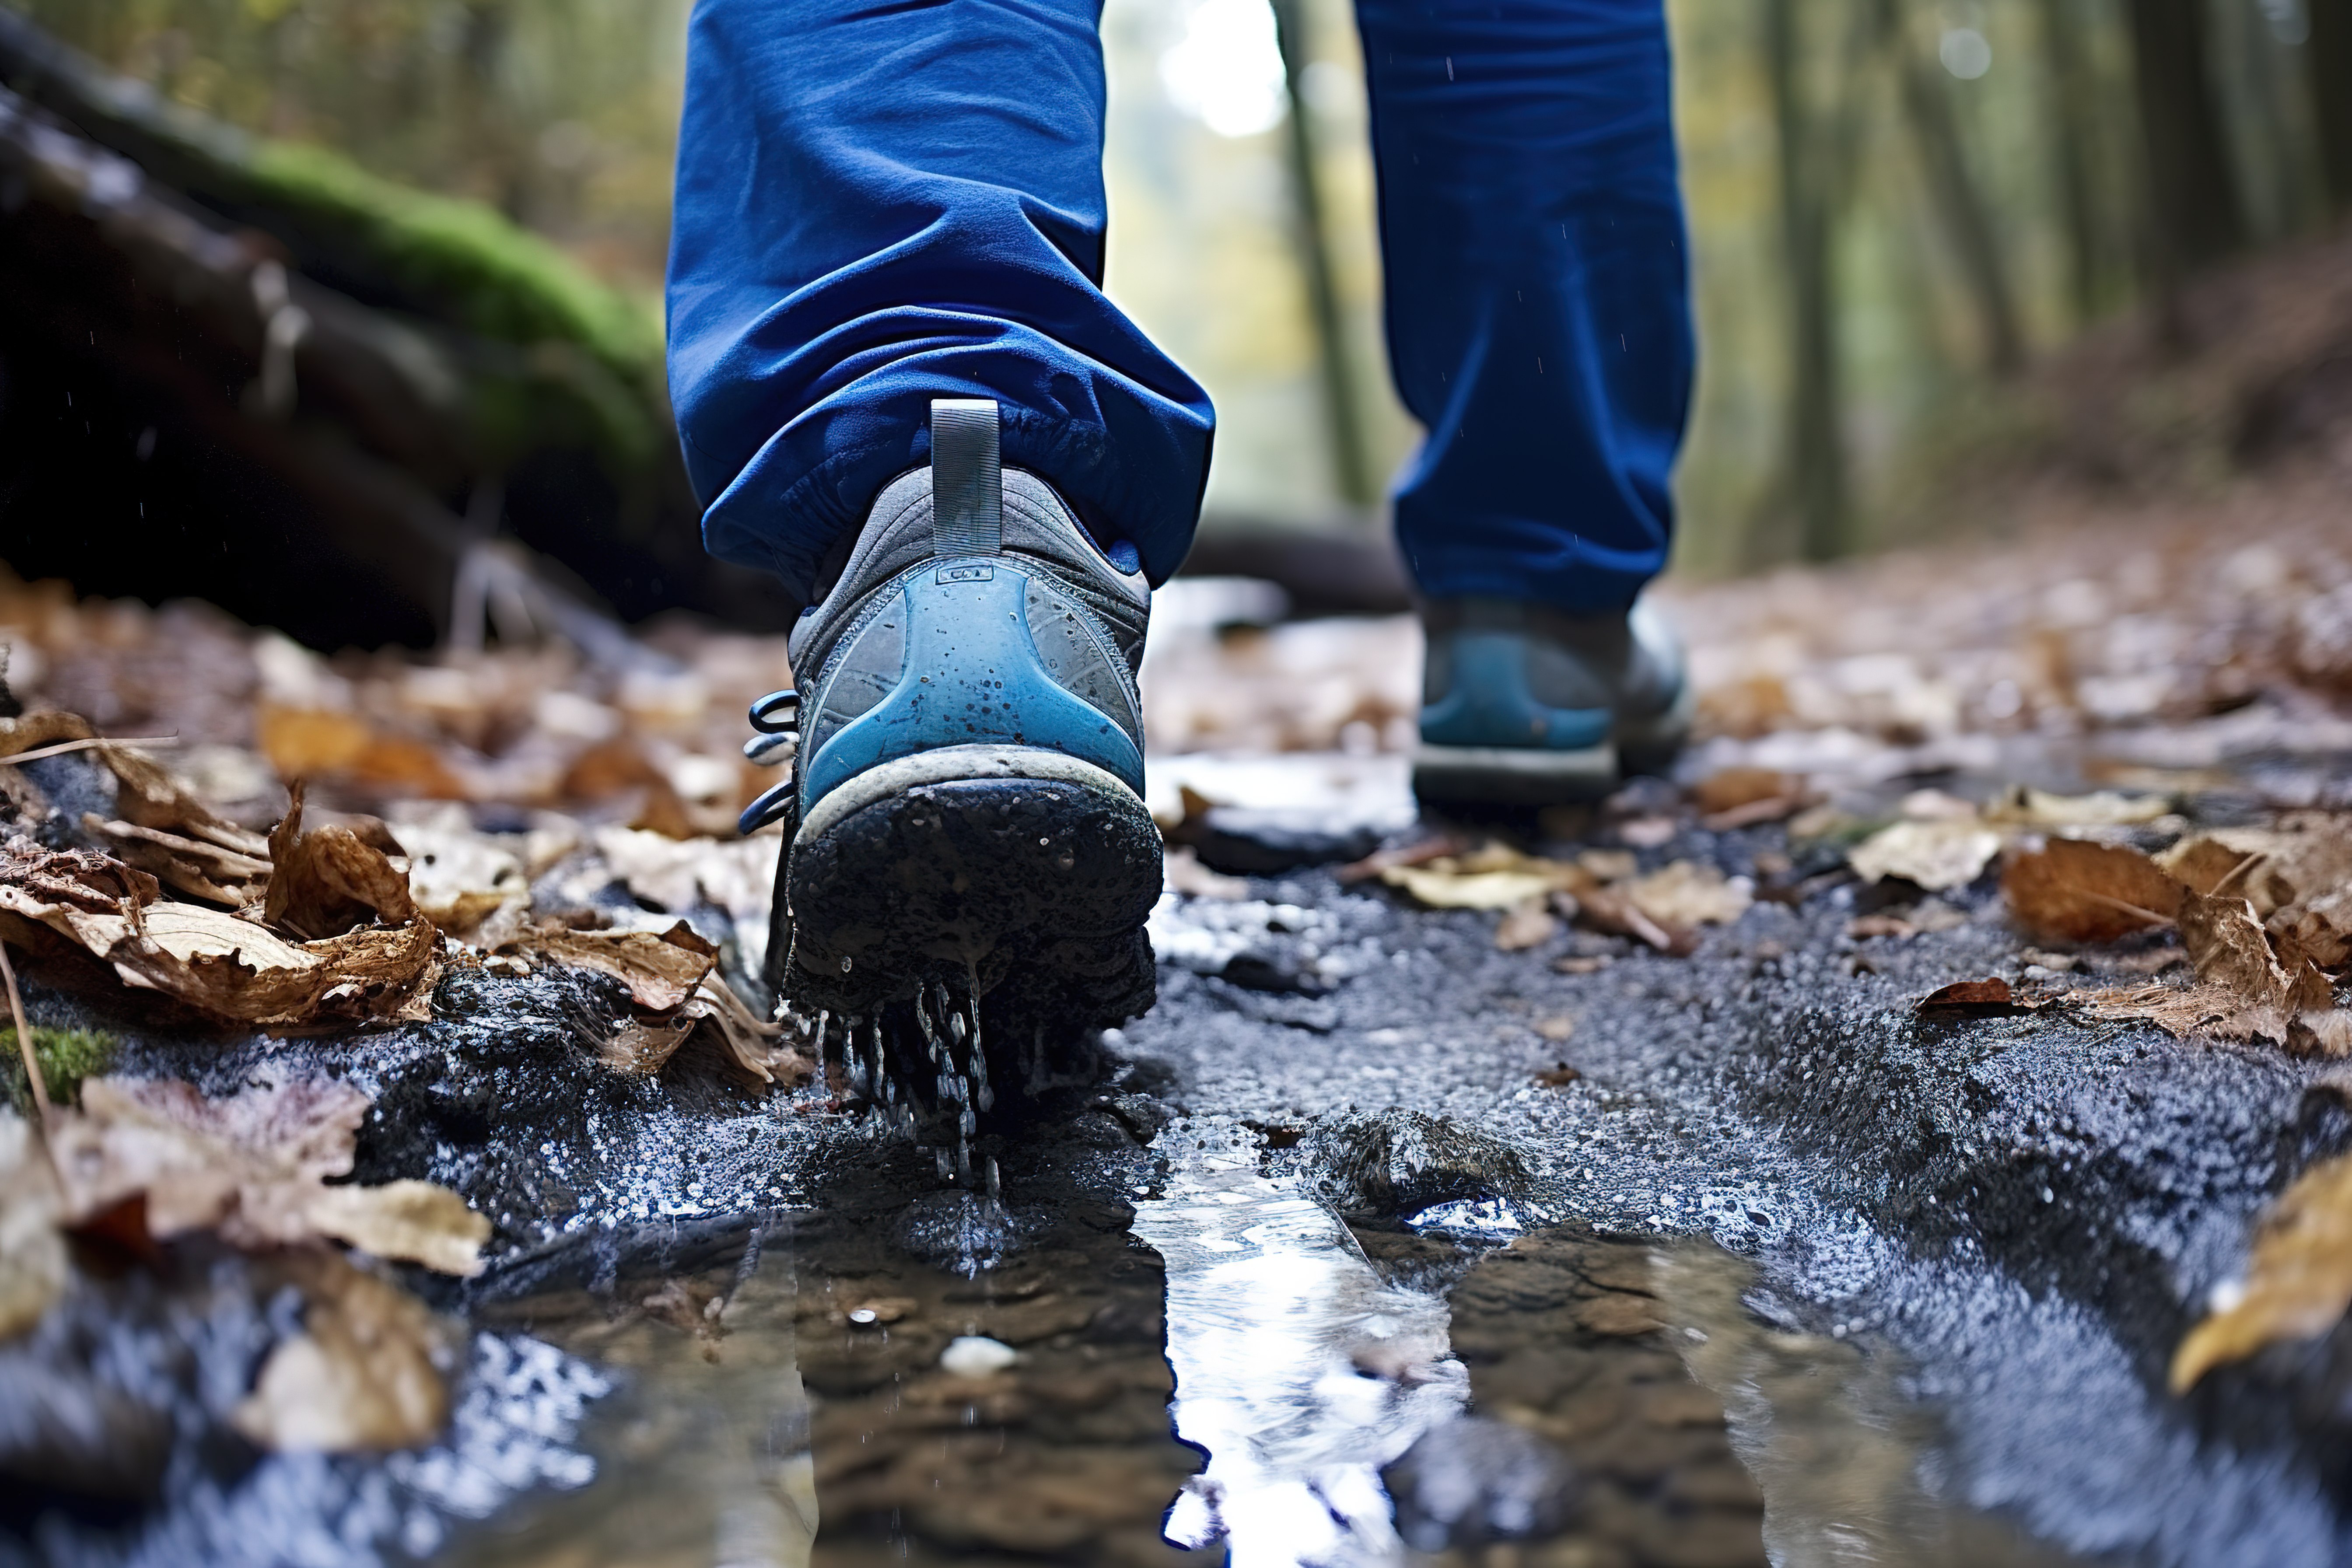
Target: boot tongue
[967,482]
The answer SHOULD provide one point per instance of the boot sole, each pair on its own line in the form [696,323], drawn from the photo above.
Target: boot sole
[1513,775]
[968,866]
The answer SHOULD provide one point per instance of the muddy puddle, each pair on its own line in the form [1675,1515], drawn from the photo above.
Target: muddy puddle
[905,1375]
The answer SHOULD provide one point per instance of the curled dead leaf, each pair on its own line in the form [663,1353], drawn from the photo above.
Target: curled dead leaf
[2071,889]
[2298,1278]
[253,1167]
[661,970]
[367,1375]
[328,880]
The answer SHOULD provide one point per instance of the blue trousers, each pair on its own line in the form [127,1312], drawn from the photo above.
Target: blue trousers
[881,202]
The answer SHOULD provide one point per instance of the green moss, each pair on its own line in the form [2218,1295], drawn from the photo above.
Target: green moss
[500,281]
[66,1057]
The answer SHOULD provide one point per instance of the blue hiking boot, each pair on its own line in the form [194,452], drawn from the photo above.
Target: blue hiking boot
[1526,705]
[965,813]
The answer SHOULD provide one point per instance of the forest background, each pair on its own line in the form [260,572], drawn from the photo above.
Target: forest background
[1899,209]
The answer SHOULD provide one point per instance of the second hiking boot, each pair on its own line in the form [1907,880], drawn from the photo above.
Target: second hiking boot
[966,805]
[1526,705]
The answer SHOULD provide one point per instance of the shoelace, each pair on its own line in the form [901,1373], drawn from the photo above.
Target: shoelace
[777,718]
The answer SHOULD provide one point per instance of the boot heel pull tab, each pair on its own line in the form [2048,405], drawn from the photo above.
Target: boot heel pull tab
[967,484]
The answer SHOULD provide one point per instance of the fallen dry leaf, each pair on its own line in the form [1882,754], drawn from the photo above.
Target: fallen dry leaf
[1415,854]
[32,1253]
[1728,789]
[754,1043]
[1691,893]
[209,958]
[2022,805]
[1991,998]
[1927,915]
[643,1046]
[318,743]
[1937,854]
[2298,1277]
[1181,872]
[253,1167]
[2071,889]
[332,879]
[1609,910]
[662,970]
[2232,952]
[1529,923]
[366,1374]
[207,871]
[1493,876]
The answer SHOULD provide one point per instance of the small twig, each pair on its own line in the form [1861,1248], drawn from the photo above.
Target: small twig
[25,1043]
[62,747]
[2254,858]
[2150,916]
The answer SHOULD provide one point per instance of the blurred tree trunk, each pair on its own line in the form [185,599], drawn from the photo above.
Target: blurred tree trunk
[2074,116]
[1959,202]
[1816,455]
[2195,211]
[1351,466]
[2329,54]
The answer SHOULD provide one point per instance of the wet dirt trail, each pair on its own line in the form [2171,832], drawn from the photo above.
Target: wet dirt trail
[1637,1215]
[1745,1258]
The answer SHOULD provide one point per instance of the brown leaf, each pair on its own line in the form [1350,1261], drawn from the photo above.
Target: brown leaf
[661,970]
[2071,889]
[205,870]
[2298,1278]
[2306,858]
[2320,928]
[329,881]
[754,1044]
[642,1047]
[1608,910]
[316,743]
[366,1374]
[252,1167]
[1557,1077]
[1726,789]
[1528,924]
[2327,1033]
[2230,949]
[209,958]
[232,968]
[1416,854]
[1992,997]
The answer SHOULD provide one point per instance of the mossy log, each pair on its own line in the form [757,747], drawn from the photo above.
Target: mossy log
[392,374]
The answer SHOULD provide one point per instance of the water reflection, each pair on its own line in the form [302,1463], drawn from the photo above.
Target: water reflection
[705,1444]
[1846,1457]
[1299,1372]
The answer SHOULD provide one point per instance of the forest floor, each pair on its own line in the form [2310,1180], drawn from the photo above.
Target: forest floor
[1914,1131]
